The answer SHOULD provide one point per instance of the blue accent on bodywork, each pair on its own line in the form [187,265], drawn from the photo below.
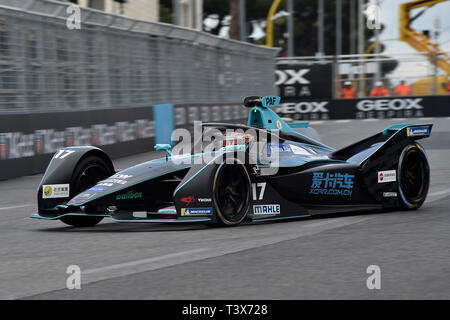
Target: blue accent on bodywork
[397,127]
[38,216]
[163,115]
[299,125]
[280,218]
[265,118]
[164,147]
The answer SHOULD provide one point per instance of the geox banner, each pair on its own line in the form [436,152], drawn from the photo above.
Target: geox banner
[301,81]
[367,108]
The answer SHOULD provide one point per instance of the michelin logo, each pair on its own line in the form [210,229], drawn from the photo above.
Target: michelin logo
[418,131]
[266,209]
[196,212]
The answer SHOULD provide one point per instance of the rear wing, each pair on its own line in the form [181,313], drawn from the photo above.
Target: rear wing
[378,142]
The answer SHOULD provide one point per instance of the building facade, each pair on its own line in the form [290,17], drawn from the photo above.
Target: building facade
[137,9]
[191,14]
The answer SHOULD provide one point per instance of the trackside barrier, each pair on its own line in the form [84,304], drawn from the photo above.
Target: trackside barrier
[28,141]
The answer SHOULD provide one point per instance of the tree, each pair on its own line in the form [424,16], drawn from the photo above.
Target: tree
[234,23]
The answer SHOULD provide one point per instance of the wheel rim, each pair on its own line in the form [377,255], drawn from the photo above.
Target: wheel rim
[231,193]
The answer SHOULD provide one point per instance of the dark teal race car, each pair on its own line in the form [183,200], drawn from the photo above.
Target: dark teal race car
[295,176]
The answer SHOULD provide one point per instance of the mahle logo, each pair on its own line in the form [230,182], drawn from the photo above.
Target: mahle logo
[129,195]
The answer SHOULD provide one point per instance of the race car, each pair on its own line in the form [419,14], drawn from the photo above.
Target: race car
[295,175]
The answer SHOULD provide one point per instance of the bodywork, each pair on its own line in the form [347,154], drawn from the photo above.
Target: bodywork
[311,178]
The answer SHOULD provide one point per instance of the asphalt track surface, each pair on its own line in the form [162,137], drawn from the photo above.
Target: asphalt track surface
[324,258]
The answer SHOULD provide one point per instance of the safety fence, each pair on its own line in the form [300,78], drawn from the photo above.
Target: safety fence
[118,62]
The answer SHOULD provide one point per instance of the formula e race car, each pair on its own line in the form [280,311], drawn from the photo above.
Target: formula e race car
[295,175]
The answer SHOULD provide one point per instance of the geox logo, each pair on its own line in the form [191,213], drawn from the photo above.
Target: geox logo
[385,104]
[290,77]
[129,195]
[303,107]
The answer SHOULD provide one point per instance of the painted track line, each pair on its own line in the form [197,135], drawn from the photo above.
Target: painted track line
[16,207]
[281,232]
[435,196]
[132,264]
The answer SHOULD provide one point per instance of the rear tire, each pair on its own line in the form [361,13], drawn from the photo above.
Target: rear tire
[413,174]
[86,174]
[231,194]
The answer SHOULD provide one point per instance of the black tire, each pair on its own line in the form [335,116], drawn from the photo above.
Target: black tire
[231,194]
[413,174]
[86,174]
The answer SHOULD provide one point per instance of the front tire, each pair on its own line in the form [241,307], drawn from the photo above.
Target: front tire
[413,174]
[86,174]
[231,194]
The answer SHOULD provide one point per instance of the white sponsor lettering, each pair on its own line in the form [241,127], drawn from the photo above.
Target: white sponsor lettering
[386,104]
[303,107]
[290,77]
[261,185]
[266,209]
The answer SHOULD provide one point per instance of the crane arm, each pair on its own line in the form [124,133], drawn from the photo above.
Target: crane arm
[416,39]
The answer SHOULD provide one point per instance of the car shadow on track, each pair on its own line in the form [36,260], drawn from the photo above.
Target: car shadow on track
[115,227]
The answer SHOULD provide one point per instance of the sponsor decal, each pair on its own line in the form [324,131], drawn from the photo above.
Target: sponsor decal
[296,81]
[278,148]
[387,176]
[279,125]
[304,110]
[389,108]
[299,150]
[303,107]
[266,209]
[44,141]
[81,198]
[196,211]
[50,191]
[389,194]
[334,184]
[204,200]
[121,176]
[389,104]
[188,200]
[418,131]
[129,195]
[291,76]
[110,182]
[97,189]
[105,184]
